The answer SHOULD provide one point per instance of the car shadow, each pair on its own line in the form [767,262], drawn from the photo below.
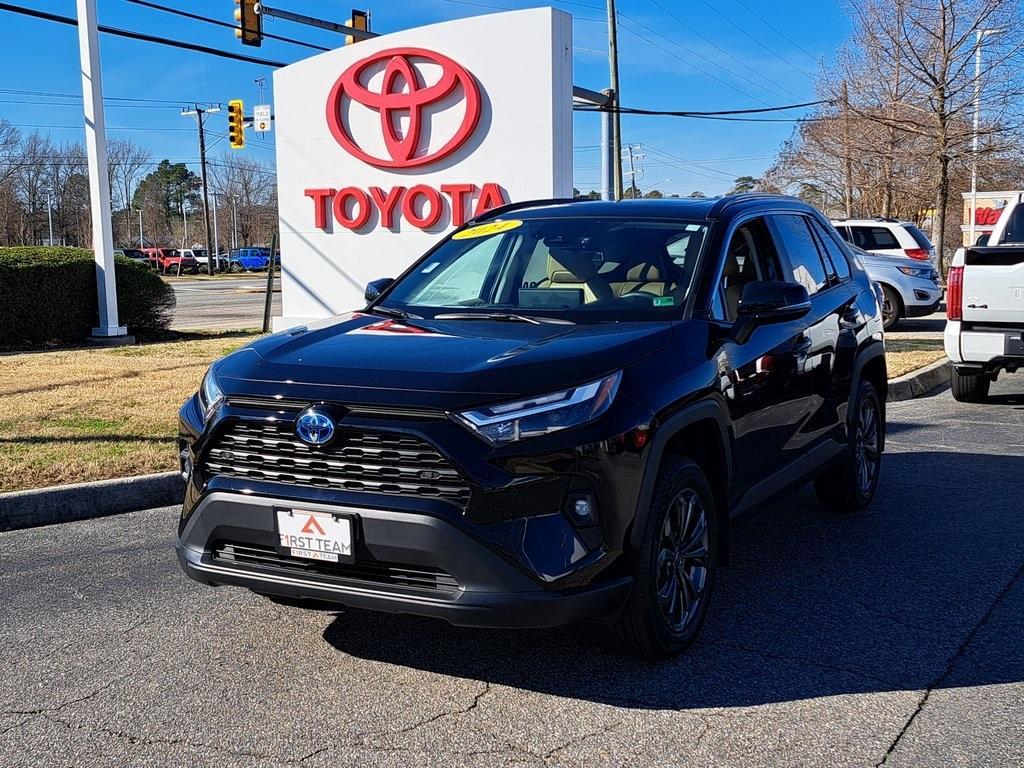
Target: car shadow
[814,604]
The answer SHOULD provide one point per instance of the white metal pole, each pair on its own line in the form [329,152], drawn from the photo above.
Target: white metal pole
[607,151]
[49,217]
[215,255]
[974,138]
[99,181]
[234,222]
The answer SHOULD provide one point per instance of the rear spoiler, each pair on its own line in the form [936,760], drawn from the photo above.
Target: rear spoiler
[994,255]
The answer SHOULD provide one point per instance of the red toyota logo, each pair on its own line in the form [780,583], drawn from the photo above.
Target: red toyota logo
[403,93]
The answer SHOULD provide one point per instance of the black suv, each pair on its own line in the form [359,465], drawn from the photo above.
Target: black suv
[551,416]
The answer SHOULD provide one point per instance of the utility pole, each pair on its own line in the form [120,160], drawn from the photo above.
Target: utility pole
[844,96]
[99,181]
[199,112]
[613,64]
[632,171]
[141,241]
[234,222]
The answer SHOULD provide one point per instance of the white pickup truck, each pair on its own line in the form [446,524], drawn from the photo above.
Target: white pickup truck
[985,307]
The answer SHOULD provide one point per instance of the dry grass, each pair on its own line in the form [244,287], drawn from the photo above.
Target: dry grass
[906,355]
[91,414]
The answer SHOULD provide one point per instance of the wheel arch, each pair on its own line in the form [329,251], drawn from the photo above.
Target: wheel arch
[699,432]
[870,366]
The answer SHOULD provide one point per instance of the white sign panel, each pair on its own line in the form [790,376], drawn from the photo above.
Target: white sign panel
[385,145]
[261,118]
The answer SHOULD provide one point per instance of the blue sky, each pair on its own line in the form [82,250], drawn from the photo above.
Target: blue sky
[674,54]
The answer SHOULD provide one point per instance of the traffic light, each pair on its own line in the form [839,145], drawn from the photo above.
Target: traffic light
[250,29]
[236,124]
[359,20]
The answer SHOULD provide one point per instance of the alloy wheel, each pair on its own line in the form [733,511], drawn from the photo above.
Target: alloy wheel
[866,439]
[682,561]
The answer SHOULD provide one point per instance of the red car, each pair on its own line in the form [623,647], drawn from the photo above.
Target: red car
[166,260]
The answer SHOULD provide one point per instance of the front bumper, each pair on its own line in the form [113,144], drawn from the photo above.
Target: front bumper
[480,587]
[920,297]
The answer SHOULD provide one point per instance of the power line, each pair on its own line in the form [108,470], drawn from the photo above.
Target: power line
[715,45]
[774,53]
[141,36]
[167,102]
[778,31]
[208,20]
[689,113]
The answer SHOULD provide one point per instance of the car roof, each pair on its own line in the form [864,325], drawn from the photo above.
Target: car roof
[871,221]
[652,208]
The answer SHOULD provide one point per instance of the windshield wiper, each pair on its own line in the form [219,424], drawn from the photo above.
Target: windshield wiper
[393,312]
[506,317]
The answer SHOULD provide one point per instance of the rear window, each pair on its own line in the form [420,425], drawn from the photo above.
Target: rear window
[874,238]
[919,237]
[1015,226]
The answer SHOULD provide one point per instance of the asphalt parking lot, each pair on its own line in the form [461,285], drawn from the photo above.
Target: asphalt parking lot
[889,637]
[226,303]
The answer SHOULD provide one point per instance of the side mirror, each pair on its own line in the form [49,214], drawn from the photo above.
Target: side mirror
[769,301]
[375,288]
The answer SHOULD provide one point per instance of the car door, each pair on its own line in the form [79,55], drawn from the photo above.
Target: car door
[826,356]
[762,378]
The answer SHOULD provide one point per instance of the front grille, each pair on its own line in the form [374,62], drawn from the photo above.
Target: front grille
[374,572]
[356,460]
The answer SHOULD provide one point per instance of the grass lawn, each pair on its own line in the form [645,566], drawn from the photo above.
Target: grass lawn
[90,414]
[906,355]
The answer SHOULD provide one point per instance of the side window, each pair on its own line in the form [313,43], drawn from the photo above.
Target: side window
[840,265]
[750,256]
[799,246]
[874,238]
[844,232]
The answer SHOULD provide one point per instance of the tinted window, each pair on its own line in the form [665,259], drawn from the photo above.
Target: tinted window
[844,232]
[835,253]
[874,238]
[749,257]
[798,243]
[919,237]
[1015,226]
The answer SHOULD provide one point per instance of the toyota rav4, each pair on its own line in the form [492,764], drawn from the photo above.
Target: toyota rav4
[551,416]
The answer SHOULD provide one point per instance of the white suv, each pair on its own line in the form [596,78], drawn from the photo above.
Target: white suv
[889,237]
[985,306]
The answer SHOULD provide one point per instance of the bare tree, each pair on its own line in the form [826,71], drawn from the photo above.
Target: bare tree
[252,188]
[127,161]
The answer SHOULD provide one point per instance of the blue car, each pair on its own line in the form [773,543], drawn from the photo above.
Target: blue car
[250,259]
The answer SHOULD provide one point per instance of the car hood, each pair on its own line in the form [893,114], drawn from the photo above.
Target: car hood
[370,359]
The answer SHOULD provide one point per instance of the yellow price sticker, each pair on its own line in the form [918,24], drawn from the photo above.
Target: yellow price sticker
[490,228]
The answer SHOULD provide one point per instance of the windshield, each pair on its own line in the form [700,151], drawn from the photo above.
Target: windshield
[587,267]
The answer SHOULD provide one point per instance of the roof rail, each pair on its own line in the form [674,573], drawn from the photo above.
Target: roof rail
[727,200]
[509,207]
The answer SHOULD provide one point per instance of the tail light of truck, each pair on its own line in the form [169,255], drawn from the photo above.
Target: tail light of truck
[955,293]
[921,254]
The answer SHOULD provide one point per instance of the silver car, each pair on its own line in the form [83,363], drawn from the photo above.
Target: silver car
[910,287]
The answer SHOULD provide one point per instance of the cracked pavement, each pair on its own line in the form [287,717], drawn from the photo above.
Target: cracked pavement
[891,637]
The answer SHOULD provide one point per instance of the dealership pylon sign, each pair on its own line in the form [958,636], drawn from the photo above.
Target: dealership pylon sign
[384,146]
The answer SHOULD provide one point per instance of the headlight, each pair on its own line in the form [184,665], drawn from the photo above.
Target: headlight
[210,394]
[916,271]
[534,416]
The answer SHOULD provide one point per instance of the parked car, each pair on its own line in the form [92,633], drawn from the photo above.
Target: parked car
[251,259]
[551,416]
[985,308]
[909,287]
[134,254]
[168,262]
[200,257]
[889,237]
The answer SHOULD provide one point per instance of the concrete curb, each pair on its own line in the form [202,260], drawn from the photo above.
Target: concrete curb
[920,382]
[81,501]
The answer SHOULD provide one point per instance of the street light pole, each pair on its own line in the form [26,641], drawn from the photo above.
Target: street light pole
[49,216]
[979,36]
[99,181]
[141,241]
[214,255]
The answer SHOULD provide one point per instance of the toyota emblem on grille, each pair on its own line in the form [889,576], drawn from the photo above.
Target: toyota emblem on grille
[314,427]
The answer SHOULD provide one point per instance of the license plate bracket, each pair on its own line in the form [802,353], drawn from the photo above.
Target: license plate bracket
[315,535]
[1013,344]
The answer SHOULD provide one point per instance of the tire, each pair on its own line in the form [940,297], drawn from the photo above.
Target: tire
[969,388]
[658,626]
[892,308]
[850,485]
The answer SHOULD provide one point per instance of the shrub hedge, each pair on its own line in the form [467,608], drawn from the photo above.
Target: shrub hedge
[49,294]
